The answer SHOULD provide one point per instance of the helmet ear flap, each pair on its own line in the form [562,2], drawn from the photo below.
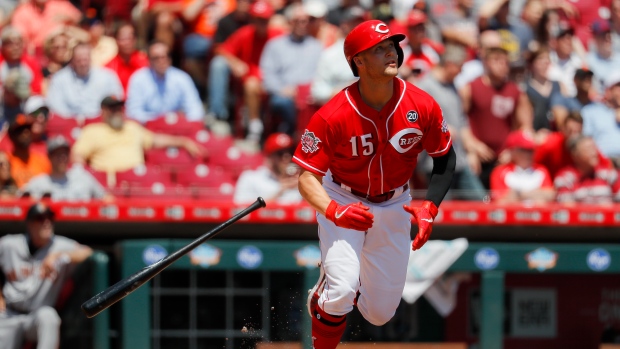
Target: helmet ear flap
[399,51]
[354,67]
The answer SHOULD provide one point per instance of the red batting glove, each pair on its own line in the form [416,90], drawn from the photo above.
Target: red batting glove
[351,216]
[424,216]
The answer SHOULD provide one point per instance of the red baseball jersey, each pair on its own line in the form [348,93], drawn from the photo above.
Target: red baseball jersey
[373,151]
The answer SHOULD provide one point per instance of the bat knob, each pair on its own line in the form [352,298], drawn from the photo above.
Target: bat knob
[261,201]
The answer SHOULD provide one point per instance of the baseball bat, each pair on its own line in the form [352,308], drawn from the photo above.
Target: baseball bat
[125,287]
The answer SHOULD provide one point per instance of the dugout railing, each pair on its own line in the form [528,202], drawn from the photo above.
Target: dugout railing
[139,327]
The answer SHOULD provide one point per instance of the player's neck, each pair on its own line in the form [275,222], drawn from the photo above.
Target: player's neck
[376,94]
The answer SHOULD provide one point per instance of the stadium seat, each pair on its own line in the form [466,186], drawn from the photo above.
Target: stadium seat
[207,182]
[140,179]
[101,177]
[235,161]
[159,191]
[171,159]
[213,143]
[174,124]
[66,127]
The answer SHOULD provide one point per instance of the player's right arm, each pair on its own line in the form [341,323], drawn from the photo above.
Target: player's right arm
[311,189]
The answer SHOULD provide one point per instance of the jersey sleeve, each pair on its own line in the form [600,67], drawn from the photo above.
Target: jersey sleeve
[437,139]
[313,152]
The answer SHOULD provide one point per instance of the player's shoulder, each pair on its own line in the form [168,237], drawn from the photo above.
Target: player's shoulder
[12,240]
[337,107]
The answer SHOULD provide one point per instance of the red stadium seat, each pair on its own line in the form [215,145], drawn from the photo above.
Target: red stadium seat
[171,159]
[213,143]
[207,182]
[66,127]
[235,161]
[174,124]
[159,191]
[101,177]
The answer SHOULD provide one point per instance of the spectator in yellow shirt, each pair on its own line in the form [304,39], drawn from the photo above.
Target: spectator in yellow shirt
[118,144]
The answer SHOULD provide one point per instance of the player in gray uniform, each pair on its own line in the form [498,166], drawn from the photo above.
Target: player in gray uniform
[35,265]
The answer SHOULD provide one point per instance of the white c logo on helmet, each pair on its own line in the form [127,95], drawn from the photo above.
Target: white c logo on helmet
[382,28]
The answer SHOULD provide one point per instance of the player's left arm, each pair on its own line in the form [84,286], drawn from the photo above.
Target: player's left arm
[438,144]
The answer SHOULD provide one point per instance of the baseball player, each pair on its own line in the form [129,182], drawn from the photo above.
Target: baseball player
[35,265]
[357,155]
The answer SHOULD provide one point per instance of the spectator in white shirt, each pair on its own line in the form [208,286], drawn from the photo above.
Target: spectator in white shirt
[275,181]
[78,89]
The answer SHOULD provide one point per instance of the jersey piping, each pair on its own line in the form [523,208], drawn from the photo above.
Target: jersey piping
[346,92]
[310,166]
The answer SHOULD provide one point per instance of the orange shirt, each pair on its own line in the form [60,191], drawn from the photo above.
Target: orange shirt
[22,172]
[206,22]
[36,25]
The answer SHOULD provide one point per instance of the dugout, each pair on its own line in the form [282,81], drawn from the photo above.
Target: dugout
[521,295]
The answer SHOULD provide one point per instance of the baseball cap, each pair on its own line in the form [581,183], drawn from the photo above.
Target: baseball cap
[520,139]
[21,121]
[583,73]
[354,12]
[57,143]
[261,9]
[276,142]
[612,79]
[39,210]
[34,103]
[111,101]
[315,8]
[415,17]
[600,27]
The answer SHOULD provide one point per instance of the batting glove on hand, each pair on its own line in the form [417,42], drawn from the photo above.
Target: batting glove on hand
[424,216]
[351,216]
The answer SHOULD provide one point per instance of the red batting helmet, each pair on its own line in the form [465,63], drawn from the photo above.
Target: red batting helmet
[367,35]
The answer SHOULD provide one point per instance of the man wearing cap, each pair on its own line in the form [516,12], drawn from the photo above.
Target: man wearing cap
[521,180]
[601,120]
[63,184]
[601,58]
[35,267]
[117,144]
[357,155]
[240,55]
[286,63]
[333,72]
[275,181]
[76,90]
[495,15]
[25,163]
[421,53]
[36,108]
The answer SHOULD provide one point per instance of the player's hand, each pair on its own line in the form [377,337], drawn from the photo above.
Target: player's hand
[424,216]
[351,216]
[49,267]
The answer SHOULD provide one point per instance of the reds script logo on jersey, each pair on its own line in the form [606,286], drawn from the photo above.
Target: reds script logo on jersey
[405,139]
[309,142]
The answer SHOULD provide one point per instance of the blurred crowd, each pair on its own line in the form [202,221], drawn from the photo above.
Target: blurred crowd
[206,98]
